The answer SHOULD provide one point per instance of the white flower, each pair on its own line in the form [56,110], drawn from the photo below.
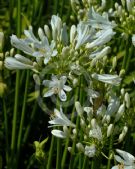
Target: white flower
[125,159]
[84,34]
[90,151]
[34,47]
[101,38]
[59,133]
[97,21]
[106,78]
[19,62]
[60,119]
[57,87]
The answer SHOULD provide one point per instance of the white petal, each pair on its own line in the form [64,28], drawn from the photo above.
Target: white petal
[59,133]
[49,93]
[115,167]
[62,95]
[128,158]
[67,88]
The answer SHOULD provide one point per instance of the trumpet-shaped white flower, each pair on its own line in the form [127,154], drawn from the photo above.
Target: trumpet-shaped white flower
[57,86]
[19,62]
[99,21]
[60,119]
[126,160]
[101,38]
[106,78]
[34,47]
[84,34]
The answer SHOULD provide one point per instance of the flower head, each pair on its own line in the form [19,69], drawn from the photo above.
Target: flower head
[57,86]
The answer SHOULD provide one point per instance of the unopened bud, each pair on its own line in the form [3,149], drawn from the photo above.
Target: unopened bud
[65,51]
[127,100]
[79,108]
[80,147]
[93,122]
[74,131]
[47,31]
[36,79]
[70,149]
[75,82]
[129,5]
[120,112]
[110,130]
[12,52]
[122,73]
[122,91]
[41,33]
[3,87]
[72,33]
[114,64]
[65,129]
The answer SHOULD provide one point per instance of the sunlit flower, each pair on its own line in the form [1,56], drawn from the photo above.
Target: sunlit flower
[126,160]
[57,86]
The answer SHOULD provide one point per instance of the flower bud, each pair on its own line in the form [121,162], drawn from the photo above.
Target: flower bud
[12,52]
[79,108]
[123,2]
[3,87]
[70,149]
[121,137]
[72,33]
[65,129]
[80,147]
[122,73]
[114,64]
[75,82]
[36,79]
[110,130]
[47,31]
[74,131]
[41,33]
[122,91]
[65,51]
[93,123]
[127,100]
[120,112]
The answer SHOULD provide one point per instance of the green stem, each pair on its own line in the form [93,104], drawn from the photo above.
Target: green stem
[26,135]
[51,153]
[129,58]
[23,114]
[58,160]
[110,151]
[6,129]
[68,139]
[14,123]
[84,162]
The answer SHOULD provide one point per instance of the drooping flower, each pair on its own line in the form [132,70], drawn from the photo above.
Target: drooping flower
[126,160]
[107,78]
[57,86]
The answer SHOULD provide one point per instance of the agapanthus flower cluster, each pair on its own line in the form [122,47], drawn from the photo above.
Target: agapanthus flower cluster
[64,61]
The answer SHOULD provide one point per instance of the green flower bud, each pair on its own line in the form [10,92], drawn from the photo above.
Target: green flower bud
[110,130]
[127,100]
[3,88]
[47,31]
[79,108]
[80,147]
